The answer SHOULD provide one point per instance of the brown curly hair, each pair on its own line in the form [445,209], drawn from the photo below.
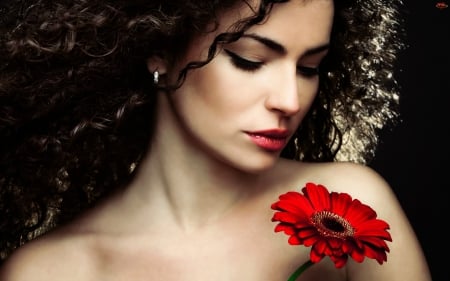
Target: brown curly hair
[77,102]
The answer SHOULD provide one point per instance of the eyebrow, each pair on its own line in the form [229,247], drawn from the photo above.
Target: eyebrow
[277,47]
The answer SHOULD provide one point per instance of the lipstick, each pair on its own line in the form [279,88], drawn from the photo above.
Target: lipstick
[271,140]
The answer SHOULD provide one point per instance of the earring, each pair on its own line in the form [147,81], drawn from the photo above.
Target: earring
[156,77]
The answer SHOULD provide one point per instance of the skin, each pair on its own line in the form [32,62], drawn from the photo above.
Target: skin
[199,208]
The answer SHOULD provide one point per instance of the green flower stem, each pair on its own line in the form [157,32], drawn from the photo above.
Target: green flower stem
[300,270]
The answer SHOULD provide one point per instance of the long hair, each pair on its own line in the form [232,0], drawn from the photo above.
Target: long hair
[77,104]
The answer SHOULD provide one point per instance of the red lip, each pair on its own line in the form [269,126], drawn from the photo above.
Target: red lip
[275,133]
[271,140]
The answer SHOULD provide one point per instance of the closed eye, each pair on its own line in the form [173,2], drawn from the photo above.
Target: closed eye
[307,71]
[249,65]
[242,63]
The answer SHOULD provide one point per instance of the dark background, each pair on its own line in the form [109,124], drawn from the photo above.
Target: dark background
[412,156]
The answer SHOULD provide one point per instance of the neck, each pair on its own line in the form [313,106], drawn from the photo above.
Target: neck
[187,185]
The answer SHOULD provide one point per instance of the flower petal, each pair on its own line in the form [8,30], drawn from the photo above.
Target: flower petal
[300,206]
[340,203]
[374,228]
[339,261]
[375,242]
[358,213]
[318,195]
[286,217]
[286,228]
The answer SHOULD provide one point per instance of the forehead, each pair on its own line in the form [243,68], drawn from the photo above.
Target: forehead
[309,20]
[245,9]
[299,18]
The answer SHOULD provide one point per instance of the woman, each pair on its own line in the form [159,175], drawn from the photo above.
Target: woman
[143,138]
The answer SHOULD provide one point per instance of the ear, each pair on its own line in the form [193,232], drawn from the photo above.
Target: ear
[156,63]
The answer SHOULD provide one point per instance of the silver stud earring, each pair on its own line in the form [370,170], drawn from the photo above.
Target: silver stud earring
[156,77]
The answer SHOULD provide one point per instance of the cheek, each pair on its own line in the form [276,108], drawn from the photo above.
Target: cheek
[308,89]
[217,88]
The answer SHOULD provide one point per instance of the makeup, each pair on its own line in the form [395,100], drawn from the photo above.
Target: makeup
[271,140]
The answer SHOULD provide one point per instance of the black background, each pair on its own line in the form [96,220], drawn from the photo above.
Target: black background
[413,156]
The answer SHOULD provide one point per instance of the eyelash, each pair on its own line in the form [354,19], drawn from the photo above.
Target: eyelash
[242,63]
[248,65]
[308,71]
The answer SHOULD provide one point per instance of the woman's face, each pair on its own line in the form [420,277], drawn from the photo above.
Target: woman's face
[244,105]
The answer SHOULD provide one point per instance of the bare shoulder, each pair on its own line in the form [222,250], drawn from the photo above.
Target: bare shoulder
[358,180]
[50,257]
[405,259]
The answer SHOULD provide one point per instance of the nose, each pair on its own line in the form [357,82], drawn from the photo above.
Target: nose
[283,95]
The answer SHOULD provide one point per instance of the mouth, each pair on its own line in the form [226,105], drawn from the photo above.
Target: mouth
[270,140]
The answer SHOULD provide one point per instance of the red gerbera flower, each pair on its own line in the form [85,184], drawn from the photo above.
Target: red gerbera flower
[334,224]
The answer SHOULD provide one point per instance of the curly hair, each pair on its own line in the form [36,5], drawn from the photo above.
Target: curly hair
[77,105]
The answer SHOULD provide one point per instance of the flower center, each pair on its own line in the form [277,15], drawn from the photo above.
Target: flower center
[331,225]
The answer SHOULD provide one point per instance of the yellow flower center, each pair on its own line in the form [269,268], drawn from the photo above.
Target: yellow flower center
[331,225]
